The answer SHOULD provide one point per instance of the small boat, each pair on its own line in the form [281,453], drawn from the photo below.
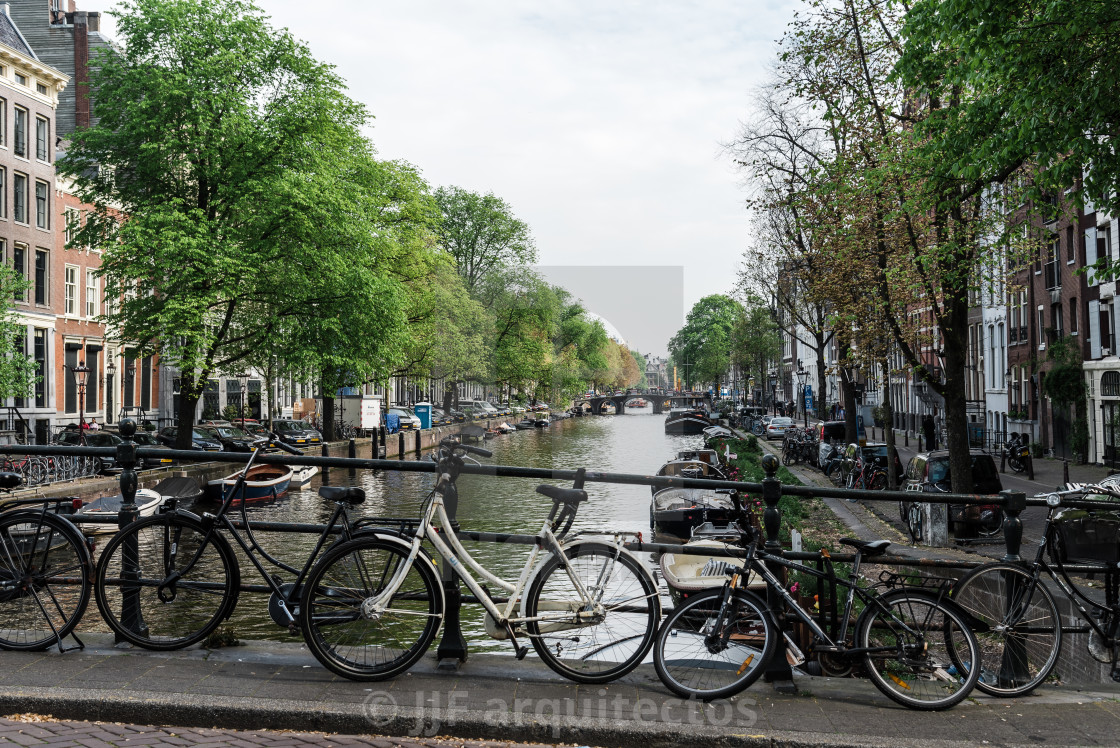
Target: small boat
[148,502]
[302,475]
[688,573]
[717,432]
[525,425]
[263,483]
[179,491]
[686,421]
[687,467]
[676,511]
[709,456]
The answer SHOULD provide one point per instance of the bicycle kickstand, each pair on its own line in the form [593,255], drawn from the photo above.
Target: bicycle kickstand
[519,649]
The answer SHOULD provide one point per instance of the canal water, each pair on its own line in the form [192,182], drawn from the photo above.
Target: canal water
[635,442]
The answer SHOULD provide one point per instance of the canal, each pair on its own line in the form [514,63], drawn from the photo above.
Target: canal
[631,443]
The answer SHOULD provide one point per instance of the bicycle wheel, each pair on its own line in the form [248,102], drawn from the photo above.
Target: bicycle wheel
[921,642]
[601,641]
[44,580]
[381,642]
[700,654]
[914,521]
[878,482]
[1021,636]
[176,603]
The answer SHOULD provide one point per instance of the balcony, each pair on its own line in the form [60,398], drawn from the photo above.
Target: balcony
[1023,334]
[1013,335]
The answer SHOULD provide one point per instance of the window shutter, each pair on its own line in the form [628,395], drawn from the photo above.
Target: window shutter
[1094,329]
[1090,253]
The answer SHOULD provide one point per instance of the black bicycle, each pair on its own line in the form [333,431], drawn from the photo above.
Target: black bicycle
[911,640]
[1021,635]
[45,573]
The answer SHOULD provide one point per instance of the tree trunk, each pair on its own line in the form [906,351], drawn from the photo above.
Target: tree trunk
[956,420]
[328,417]
[190,392]
[822,383]
[888,429]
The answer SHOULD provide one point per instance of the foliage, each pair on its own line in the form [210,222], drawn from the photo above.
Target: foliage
[17,369]
[702,348]
[755,339]
[482,234]
[1064,384]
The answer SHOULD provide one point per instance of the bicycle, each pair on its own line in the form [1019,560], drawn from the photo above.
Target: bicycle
[589,607]
[167,581]
[45,572]
[1022,627]
[911,640]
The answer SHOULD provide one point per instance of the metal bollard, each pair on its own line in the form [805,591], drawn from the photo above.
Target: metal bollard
[1012,667]
[352,453]
[132,617]
[325,450]
[400,445]
[1065,473]
[778,670]
[1030,466]
[417,443]
[1016,502]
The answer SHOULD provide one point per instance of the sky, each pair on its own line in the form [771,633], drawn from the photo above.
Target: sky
[599,121]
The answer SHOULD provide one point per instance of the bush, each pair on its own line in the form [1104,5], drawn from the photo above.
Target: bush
[1036,449]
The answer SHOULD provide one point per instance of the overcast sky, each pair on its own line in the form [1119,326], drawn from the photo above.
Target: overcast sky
[599,121]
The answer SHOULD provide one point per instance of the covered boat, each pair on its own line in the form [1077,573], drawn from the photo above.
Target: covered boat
[690,468]
[689,573]
[686,421]
[263,483]
[676,511]
[106,508]
[180,489]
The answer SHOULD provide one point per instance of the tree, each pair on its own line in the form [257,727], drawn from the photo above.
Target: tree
[229,177]
[755,339]
[17,369]
[482,234]
[703,346]
[640,363]
[1029,81]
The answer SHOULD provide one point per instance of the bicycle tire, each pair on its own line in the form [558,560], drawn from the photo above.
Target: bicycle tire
[44,580]
[177,615]
[992,526]
[914,521]
[879,482]
[373,647]
[692,668]
[1016,464]
[1021,636]
[924,672]
[605,648]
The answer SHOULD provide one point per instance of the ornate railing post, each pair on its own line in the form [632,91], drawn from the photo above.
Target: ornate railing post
[132,616]
[778,670]
[1012,667]
[452,650]
[1015,503]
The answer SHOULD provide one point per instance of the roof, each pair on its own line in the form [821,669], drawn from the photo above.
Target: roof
[11,36]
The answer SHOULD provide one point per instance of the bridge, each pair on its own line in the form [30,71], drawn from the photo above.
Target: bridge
[660,400]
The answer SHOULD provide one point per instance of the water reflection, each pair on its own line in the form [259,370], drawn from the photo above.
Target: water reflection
[631,443]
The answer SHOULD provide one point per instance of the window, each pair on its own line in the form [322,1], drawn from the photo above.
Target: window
[1110,384]
[3,192]
[93,293]
[1104,241]
[70,392]
[70,284]
[1041,328]
[19,198]
[1073,316]
[3,121]
[41,368]
[42,205]
[1056,320]
[72,218]
[19,144]
[146,383]
[40,88]
[42,276]
[21,79]
[1071,248]
[1106,329]
[19,264]
[42,139]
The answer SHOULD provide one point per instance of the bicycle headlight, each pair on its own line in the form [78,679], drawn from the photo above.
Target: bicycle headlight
[1053,499]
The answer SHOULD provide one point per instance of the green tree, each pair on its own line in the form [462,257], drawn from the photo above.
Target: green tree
[640,362]
[702,348]
[756,341]
[482,234]
[17,369]
[229,181]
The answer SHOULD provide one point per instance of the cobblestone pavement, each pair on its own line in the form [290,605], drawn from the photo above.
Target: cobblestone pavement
[32,730]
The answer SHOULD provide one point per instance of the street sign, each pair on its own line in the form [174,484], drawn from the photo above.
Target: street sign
[808,397]
[371,412]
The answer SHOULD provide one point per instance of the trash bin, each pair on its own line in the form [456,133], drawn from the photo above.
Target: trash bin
[423,411]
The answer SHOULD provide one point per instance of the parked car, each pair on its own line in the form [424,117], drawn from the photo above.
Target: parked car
[439,417]
[833,431]
[929,472]
[255,429]
[407,418]
[72,438]
[296,433]
[232,438]
[457,416]
[778,427]
[199,439]
[149,441]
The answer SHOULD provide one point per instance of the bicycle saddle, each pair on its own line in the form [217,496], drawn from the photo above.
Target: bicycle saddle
[867,547]
[556,493]
[10,480]
[349,494]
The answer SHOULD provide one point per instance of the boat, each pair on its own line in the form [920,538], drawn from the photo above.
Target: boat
[263,483]
[676,511]
[179,491]
[525,425]
[687,467]
[302,475]
[108,507]
[686,421]
[688,573]
[709,456]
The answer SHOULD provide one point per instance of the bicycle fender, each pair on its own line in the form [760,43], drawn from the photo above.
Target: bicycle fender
[569,547]
[395,537]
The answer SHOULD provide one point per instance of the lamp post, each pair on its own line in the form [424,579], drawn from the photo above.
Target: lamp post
[80,374]
[801,374]
[243,379]
[774,390]
[110,372]
[129,383]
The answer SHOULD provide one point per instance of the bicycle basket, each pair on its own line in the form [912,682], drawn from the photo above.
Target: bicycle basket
[1086,536]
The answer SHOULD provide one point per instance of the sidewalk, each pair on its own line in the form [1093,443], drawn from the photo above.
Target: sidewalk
[279,686]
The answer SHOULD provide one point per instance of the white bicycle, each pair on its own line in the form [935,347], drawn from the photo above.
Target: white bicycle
[374,604]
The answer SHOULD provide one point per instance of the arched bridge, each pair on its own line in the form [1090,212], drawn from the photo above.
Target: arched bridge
[660,401]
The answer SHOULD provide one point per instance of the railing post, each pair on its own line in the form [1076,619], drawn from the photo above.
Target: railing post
[132,617]
[452,650]
[778,670]
[1015,503]
[1012,668]
[352,453]
[325,451]
[400,445]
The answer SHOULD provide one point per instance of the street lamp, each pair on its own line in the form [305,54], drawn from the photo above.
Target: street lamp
[801,374]
[129,383]
[81,374]
[110,371]
[774,390]
[243,378]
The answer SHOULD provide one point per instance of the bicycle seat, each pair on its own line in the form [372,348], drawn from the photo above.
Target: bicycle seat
[349,494]
[10,480]
[867,547]
[556,493]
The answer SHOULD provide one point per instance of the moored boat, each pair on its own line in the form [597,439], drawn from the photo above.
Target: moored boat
[107,508]
[263,483]
[688,573]
[686,421]
[302,475]
[676,511]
